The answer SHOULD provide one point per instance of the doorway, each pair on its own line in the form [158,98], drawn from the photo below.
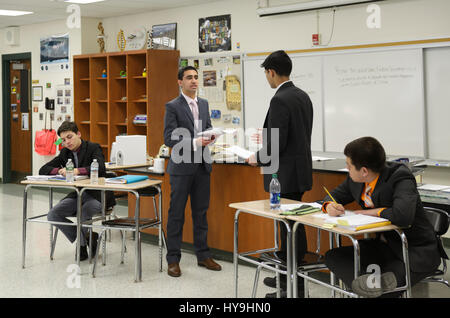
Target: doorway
[17,138]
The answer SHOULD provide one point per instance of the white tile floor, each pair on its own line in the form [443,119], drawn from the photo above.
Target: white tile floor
[45,278]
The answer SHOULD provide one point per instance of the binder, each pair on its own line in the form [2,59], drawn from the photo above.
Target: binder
[129,178]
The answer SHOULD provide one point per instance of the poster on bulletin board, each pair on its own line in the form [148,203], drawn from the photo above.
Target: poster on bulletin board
[220,82]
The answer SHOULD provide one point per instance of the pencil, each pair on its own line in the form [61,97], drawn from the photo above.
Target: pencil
[330,195]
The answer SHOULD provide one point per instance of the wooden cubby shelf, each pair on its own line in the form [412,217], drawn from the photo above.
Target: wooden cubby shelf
[105,115]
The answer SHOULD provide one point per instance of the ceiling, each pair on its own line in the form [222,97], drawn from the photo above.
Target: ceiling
[51,10]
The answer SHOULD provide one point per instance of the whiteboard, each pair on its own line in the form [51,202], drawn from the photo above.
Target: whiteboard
[437,90]
[306,74]
[377,94]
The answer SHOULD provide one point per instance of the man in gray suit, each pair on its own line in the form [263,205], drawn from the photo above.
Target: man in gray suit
[189,168]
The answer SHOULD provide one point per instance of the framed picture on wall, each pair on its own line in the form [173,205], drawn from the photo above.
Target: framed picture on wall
[37,93]
[164,36]
[214,33]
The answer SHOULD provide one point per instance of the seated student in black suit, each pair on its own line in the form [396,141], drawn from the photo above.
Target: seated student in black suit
[82,153]
[387,190]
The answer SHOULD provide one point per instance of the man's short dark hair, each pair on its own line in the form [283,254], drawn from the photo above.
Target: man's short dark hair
[366,152]
[278,61]
[184,69]
[67,126]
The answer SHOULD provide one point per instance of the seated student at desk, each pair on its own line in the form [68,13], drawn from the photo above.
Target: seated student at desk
[82,154]
[387,190]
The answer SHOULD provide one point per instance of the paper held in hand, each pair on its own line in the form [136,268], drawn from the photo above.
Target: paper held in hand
[239,151]
[217,132]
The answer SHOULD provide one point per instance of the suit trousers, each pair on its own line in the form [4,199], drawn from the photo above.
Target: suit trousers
[372,251]
[67,207]
[197,187]
[300,242]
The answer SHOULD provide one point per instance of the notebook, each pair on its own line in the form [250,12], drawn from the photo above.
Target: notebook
[129,178]
[354,222]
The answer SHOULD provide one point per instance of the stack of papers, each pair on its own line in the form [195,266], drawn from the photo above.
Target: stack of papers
[353,221]
[56,177]
[433,187]
[216,132]
[300,209]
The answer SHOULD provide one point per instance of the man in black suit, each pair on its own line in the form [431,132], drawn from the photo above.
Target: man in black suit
[386,190]
[82,153]
[291,114]
[189,168]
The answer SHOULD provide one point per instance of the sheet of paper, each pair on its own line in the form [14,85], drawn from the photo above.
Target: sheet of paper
[317,158]
[208,133]
[241,152]
[433,187]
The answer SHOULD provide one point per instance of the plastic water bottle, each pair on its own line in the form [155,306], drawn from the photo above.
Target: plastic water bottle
[94,172]
[69,171]
[275,191]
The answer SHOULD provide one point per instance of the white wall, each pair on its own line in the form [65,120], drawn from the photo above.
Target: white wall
[402,20]
[30,42]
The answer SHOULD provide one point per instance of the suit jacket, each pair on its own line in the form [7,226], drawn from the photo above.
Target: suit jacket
[179,115]
[396,189]
[88,152]
[291,112]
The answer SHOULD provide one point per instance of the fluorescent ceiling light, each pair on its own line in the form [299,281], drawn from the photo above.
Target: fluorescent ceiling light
[83,1]
[306,6]
[14,13]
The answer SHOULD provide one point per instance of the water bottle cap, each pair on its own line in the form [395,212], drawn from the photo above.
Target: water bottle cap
[274,175]
[95,160]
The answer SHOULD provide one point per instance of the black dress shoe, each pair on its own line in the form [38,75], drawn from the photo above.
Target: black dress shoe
[94,243]
[272,282]
[83,253]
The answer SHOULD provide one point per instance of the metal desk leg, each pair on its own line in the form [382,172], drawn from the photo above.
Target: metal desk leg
[24,225]
[80,193]
[288,259]
[137,269]
[103,203]
[406,261]
[50,205]
[356,256]
[235,252]
[332,276]
[160,227]
[294,261]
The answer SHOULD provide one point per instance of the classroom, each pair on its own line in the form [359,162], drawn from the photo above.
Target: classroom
[167,119]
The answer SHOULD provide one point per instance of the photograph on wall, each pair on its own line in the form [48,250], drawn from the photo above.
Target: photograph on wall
[55,49]
[164,36]
[214,33]
[209,78]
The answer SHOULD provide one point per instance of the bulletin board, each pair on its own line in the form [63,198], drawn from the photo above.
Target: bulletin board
[220,82]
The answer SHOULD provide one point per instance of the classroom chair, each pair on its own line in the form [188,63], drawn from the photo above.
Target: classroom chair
[129,224]
[109,213]
[440,221]
[312,261]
